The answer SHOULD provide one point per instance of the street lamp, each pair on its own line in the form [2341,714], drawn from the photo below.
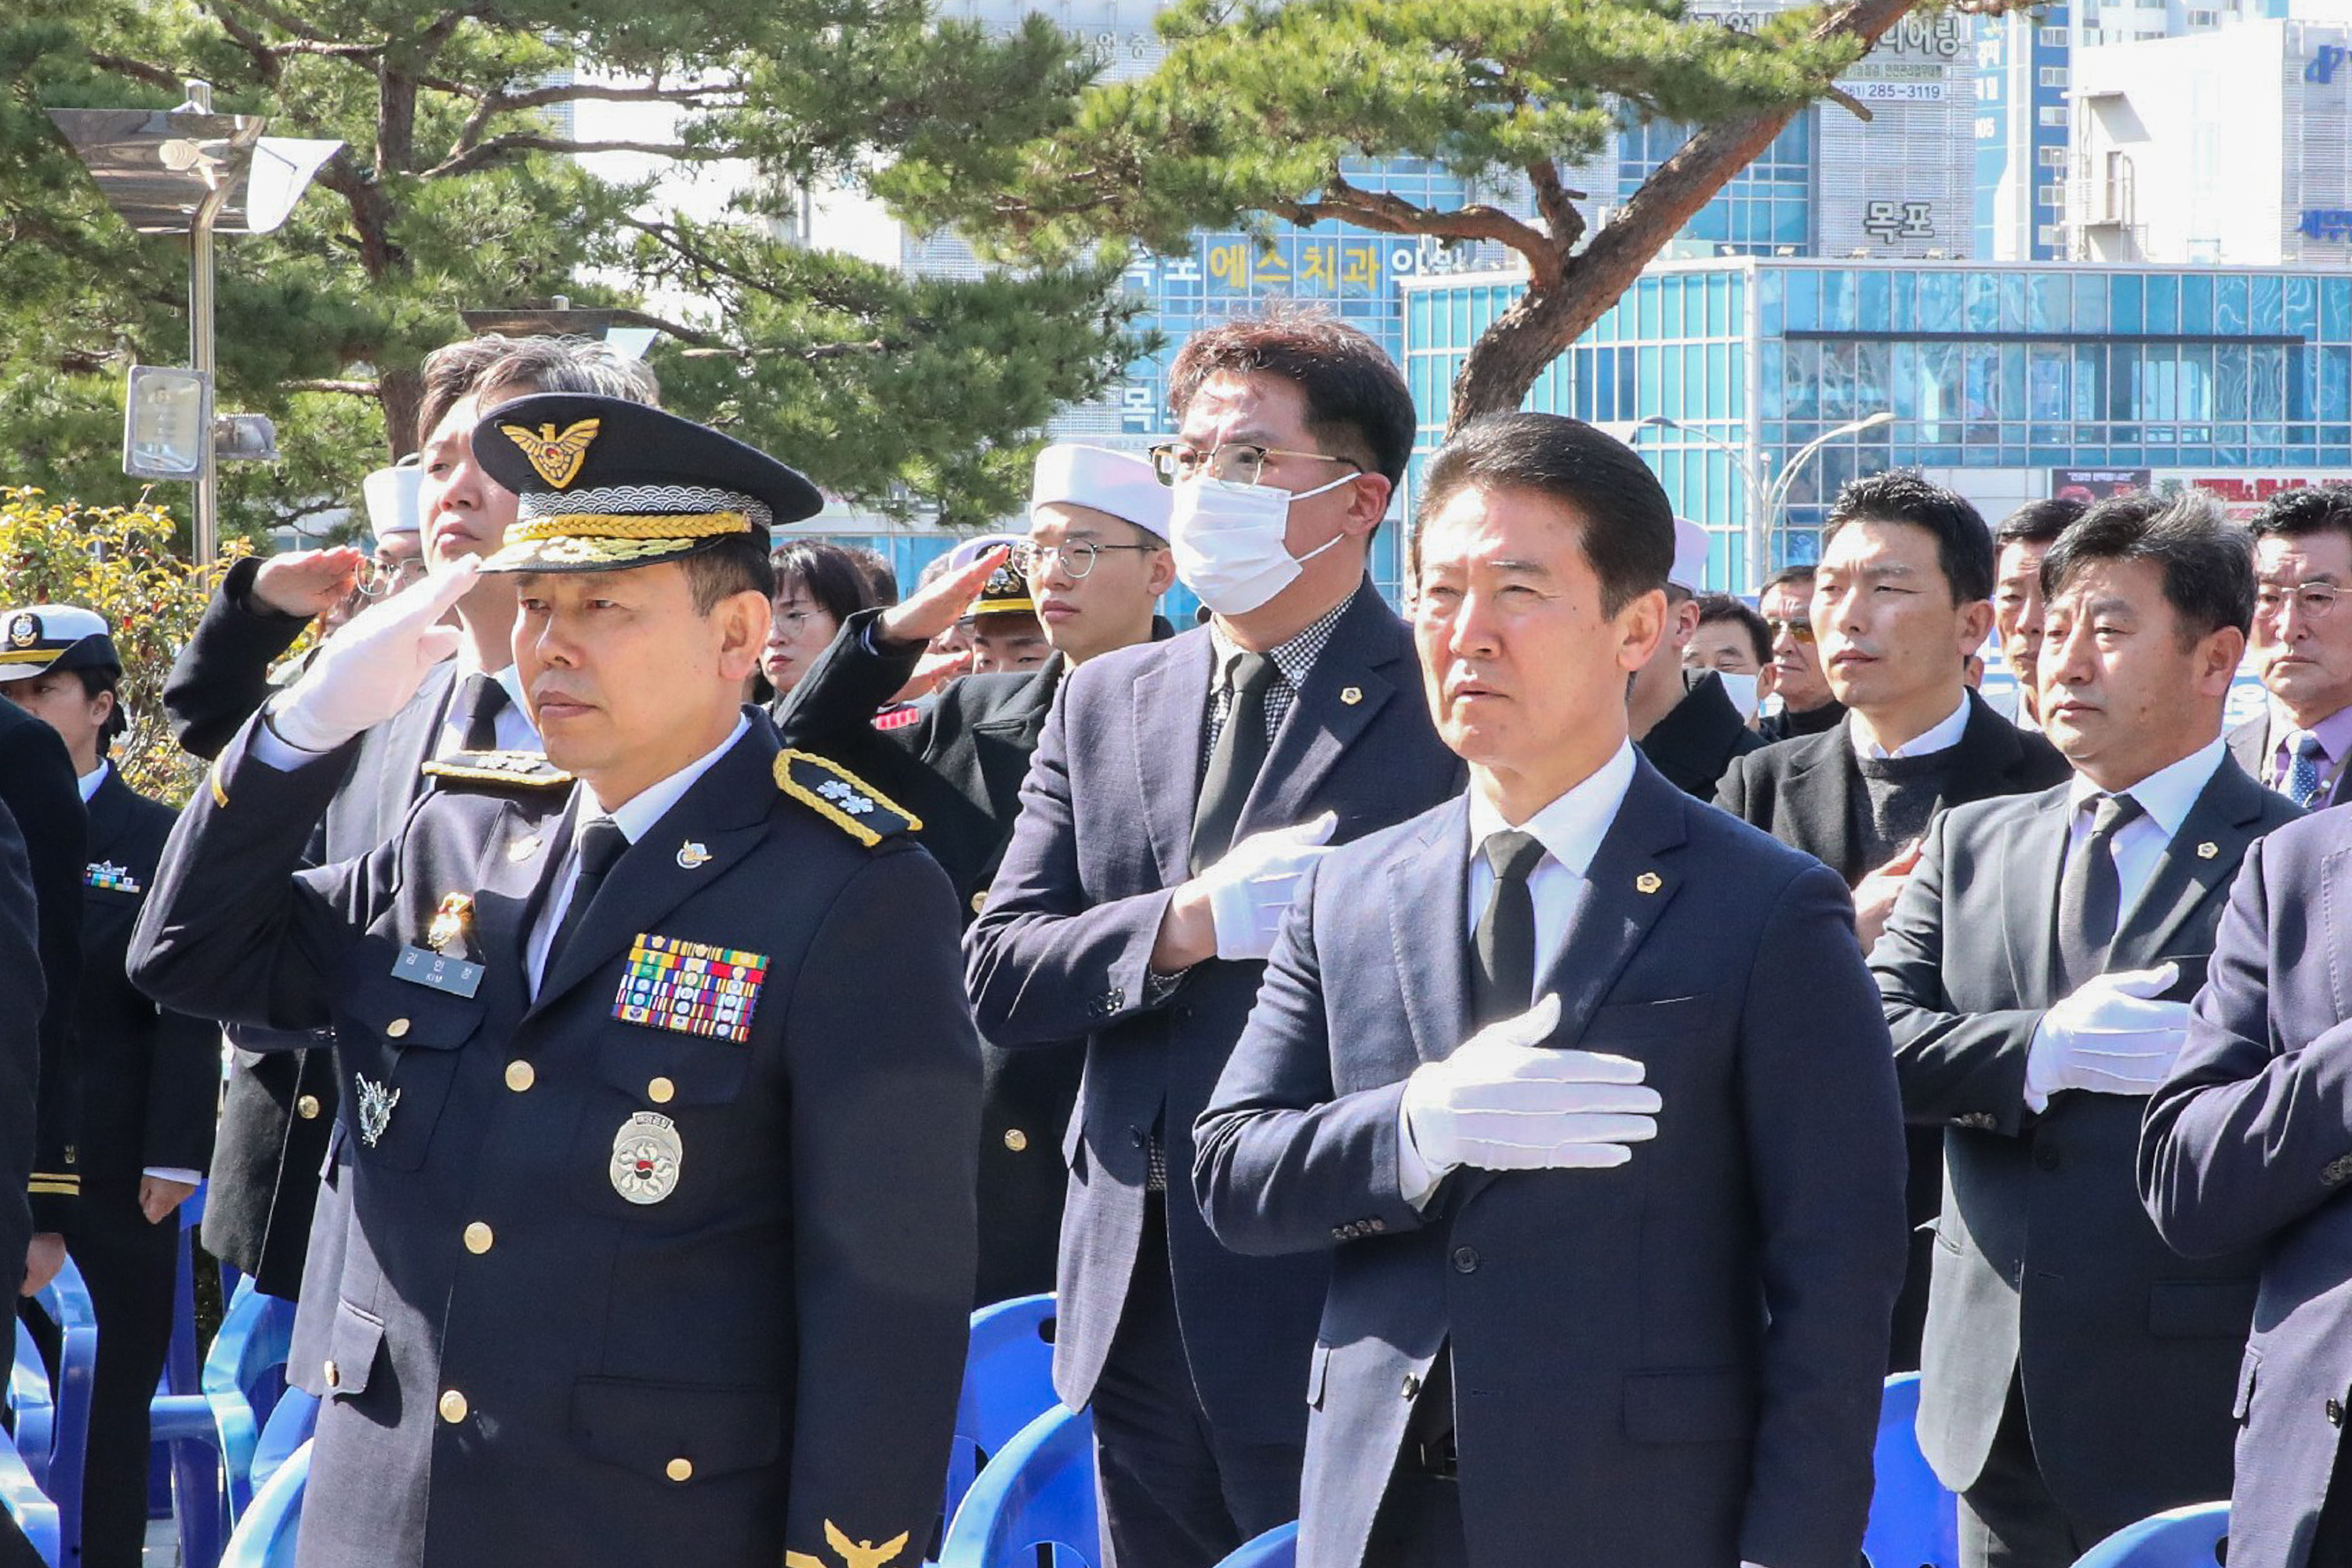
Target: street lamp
[1765,498]
[189,171]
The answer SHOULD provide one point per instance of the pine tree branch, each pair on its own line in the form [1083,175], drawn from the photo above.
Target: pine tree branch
[139,70]
[1387,213]
[1556,203]
[344,388]
[498,148]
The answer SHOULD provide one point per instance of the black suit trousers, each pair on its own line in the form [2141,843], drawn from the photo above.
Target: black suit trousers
[129,1265]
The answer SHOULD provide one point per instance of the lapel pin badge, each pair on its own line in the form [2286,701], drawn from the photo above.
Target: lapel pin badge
[1648,882]
[2207,850]
[376,1102]
[1351,695]
[692,856]
[449,921]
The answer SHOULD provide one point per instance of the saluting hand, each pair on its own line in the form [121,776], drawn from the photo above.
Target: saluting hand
[366,672]
[931,610]
[308,583]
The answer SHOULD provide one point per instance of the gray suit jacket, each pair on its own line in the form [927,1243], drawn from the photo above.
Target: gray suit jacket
[2046,1268]
[2254,745]
[1675,1364]
[1063,949]
[2250,1145]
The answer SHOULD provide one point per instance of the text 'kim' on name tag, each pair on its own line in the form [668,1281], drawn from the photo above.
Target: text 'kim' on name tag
[420,966]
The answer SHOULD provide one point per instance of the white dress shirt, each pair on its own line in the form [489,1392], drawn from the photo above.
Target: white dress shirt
[514,726]
[2166,797]
[635,817]
[1570,829]
[91,780]
[1941,737]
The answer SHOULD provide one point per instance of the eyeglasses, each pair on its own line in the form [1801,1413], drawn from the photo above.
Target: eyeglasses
[1077,555]
[2314,599]
[1236,462]
[1798,631]
[381,579]
[790,622]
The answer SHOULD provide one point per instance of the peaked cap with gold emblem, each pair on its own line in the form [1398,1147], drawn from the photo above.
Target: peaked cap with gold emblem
[605,484]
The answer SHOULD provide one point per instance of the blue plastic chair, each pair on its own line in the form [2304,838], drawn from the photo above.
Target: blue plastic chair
[1039,1490]
[1914,1521]
[1277,1547]
[2177,1538]
[24,1500]
[1008,1381]
[265,1536]
[215,1433]
[53,1420]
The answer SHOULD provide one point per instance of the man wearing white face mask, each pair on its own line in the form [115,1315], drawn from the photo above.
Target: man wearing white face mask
[1684,722]
[1179,790]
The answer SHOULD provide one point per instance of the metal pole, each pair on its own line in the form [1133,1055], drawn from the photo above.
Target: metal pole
[207,524]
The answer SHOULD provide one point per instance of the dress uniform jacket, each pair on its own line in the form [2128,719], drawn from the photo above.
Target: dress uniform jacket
[21,1003]
[2046,1268]
[36,785]
[278,1110]
[151,1080]
[2255,745]
[614,1292]
[1063,949]
[958,766]
[1675,1364]
[1802,793]
[1699,736]
[2249,1144]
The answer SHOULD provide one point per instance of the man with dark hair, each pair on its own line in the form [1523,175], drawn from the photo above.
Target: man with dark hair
[2020,543]
[1589,1307]
[1807,707]
[2078,1373]
[1179,791]
[658,1224]
[2300,743]
[279,1109]
[149,1078]
[1901,599]
[1097,558]
[1685,720]
[1731,636]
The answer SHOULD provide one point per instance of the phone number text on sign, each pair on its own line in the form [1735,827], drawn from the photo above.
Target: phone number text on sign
[1895,91]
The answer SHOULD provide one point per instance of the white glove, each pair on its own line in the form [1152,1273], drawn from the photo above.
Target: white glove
[367,672]
[1505,1102]
[1250,889]
[2111,1036]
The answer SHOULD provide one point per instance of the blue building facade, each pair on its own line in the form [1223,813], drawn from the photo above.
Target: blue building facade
[2008,381]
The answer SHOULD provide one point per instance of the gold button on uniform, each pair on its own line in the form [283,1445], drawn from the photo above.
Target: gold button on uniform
[661,1091]
[397,1029]
[980,901]
[453,1407]
[478,1237]
[307,1108]
[521,1076]
[332,1373]
[679,1469]
[1016,1140]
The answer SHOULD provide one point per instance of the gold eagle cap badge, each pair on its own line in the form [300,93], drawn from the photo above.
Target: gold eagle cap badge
[555,457]
[853,1553]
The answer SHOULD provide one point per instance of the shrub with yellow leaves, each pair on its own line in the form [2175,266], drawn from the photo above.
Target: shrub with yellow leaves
[117,560]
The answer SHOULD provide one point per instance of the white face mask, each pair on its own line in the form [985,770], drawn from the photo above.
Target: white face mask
[1229,540]
[1742,691]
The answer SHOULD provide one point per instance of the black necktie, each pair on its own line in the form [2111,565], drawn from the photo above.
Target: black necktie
[1233,762]
[601,844]
[480,700]
[2090,894]
[1503,951]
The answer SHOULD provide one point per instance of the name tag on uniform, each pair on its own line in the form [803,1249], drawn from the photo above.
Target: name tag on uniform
[421,966]
[693,987]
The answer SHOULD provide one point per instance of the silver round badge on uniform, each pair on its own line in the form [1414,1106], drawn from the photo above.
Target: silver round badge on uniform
[646,1155]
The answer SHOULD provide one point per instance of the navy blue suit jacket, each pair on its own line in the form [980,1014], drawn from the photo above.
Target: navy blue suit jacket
[1673,1363]
[2250,1144]
[1064,948]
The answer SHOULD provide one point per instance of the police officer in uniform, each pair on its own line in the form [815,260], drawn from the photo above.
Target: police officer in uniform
[150,1079]
[660,1227]
[1096,563]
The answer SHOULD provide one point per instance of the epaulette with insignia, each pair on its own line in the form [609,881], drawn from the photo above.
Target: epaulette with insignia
[842,798]
[502,770]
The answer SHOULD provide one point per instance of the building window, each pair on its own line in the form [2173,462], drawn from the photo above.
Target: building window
[2053,38]
[2049,234]
[2051,76]
[2054,196]
[2202,18]
[2054,114]
[2052,157]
